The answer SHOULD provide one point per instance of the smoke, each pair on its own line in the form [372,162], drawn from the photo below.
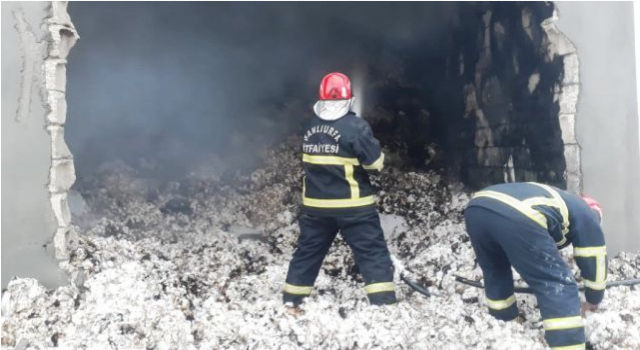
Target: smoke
[359,81]
[171,83]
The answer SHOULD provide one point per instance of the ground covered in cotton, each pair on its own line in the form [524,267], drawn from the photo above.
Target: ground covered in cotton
[200,263]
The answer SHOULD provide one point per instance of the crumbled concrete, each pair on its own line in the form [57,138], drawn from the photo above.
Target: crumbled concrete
[568,99]
[62,175]
[571,69]
[37,164]
[61,209]
[59,148]
[559,44]
[573,151]
[568,127]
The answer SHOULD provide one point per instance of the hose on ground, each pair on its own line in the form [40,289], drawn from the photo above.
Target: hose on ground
[415,286]
[528,290]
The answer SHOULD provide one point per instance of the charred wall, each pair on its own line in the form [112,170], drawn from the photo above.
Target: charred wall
[495,103]
[505,84]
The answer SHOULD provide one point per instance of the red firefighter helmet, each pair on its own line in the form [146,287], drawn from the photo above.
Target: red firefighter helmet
[594,205]
[335,86]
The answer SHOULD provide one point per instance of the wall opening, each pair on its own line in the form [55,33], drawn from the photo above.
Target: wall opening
[480,93]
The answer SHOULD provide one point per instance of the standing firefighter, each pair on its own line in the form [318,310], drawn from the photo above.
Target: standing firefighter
[339,153]
[524,225]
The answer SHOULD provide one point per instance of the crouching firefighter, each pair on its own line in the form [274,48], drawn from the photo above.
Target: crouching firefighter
[524,225]
[339,153]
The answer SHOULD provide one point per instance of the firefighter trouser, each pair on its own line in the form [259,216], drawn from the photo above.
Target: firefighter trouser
[504,241]
[363,234]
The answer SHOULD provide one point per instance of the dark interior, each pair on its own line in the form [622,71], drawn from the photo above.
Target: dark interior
[446,86]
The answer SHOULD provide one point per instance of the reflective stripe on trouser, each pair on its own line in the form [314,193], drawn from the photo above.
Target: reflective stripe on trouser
[365,237]
[295,294]
[565,332]
[316,237]
[363,234]
[297,290]
[381,293]
[570,347]
[502,241]
[502,309]
[496,269]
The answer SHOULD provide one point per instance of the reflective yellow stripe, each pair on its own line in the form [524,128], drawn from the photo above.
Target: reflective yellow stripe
[353,184]
[329,160]
[586,252]
[601,272]
[304,186]
[600,254]
[560,204]
[570,347]
[555,324]
[377,165]
[338,203]
[595,285]
[541,201]
[550,202]
[297,290]
[516,204]
[501,304]
[380,287]
[562,241]
[348,163]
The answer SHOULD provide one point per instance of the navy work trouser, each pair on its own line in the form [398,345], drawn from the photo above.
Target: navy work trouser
[363,234]
[502,241]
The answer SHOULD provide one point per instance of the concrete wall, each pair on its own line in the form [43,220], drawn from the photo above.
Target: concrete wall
[37,167]
[607,115]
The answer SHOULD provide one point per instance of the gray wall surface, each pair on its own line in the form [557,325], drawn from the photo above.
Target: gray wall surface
[607,113]
[28,221]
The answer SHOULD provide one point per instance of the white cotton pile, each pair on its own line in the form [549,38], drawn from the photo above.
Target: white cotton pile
[164,266]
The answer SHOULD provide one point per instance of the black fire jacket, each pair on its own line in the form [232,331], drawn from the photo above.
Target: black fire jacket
[566,217]
[337,157]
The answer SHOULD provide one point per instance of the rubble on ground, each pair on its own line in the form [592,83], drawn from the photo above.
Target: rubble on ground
[164,265]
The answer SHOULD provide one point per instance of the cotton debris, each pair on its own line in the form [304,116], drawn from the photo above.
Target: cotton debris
[200,264]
